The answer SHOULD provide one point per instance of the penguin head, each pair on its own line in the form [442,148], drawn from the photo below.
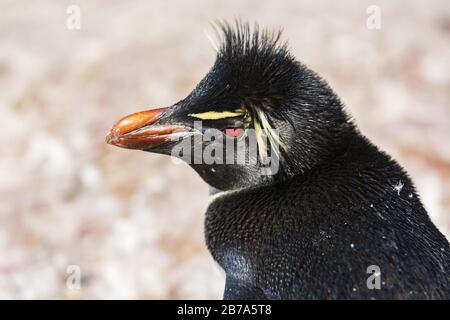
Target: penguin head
[257,117]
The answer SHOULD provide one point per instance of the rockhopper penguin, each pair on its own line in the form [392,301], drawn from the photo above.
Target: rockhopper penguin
[337,219]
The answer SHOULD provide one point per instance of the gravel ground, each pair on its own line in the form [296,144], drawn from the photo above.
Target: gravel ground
[131,222]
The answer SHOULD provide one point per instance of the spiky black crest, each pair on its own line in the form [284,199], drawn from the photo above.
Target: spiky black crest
[240,40]
[256,62]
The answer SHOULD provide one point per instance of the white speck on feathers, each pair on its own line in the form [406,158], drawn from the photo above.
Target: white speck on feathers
[398,187]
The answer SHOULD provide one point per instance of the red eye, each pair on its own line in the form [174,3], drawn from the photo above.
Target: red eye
[234,132]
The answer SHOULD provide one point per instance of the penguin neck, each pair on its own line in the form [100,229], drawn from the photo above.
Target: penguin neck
[223,177]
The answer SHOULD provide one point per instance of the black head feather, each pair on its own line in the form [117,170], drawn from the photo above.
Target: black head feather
[257,63]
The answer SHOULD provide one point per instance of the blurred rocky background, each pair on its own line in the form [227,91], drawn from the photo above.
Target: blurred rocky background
[133,222]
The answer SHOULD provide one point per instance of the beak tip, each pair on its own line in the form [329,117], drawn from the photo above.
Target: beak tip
[110,137]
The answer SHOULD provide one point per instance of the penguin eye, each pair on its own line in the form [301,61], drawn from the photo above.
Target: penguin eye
[239,130]
[234,132]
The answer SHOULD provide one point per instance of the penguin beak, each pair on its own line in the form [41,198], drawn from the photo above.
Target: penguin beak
[141,131]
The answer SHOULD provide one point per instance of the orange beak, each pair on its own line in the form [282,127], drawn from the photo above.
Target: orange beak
[136,131]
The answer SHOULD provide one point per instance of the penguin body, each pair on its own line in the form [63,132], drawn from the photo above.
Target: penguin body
[316,235]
